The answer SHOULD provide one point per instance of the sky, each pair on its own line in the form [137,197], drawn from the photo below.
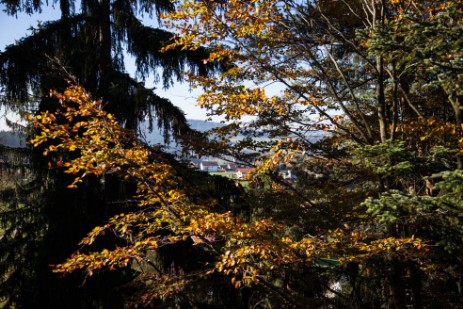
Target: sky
[13,28]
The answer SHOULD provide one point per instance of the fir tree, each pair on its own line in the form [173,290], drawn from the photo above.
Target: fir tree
[87,46]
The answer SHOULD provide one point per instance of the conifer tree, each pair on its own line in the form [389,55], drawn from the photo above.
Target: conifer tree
[86,46]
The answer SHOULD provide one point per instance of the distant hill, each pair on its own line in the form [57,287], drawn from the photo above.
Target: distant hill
[155,137]
[18,140]
[203,126]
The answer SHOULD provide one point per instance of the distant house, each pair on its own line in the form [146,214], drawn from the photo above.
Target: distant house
[193,162]
[243,172]
[229,167]
[209,166]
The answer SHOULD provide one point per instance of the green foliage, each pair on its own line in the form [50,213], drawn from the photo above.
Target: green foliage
[394,206]
[21,220]
[449,201]
[386,160]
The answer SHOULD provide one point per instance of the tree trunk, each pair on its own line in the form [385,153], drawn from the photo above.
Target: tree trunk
[415,286]
[381,100]
[104,44]
[396,286]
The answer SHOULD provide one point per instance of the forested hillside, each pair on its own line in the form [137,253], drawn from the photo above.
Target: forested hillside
[371,217]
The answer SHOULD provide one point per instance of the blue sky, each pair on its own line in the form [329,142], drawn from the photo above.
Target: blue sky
[13,28]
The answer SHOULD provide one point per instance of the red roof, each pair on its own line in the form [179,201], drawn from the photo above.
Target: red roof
[245,169]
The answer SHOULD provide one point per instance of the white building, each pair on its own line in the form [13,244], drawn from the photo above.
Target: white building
[209,166]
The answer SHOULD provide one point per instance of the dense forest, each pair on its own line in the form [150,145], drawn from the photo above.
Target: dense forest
[92,216]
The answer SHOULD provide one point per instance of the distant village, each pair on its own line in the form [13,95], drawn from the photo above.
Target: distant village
[232,170]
